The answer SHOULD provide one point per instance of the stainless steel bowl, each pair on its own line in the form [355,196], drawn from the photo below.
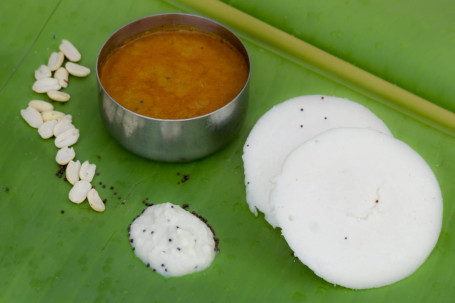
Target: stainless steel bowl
[172,140]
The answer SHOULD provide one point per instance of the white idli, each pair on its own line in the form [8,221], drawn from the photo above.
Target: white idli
[285,127]
[359,208]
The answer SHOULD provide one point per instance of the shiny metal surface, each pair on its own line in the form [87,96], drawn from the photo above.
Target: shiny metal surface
[172,140]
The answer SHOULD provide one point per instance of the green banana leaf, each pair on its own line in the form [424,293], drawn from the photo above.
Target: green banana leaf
[409,43]
[52,250]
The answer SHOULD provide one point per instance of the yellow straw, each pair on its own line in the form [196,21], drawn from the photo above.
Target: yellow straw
[341,70]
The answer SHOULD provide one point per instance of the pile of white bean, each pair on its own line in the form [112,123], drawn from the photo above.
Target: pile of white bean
[50,123]
[51,85]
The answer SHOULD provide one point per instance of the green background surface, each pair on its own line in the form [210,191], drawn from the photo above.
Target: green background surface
[84,256]
[409,43]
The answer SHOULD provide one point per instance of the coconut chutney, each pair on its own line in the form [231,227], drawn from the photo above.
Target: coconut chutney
[172,241]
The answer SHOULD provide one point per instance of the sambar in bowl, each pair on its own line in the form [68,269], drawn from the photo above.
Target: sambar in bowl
[173,87]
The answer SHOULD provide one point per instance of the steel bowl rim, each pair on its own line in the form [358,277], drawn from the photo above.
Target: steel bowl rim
[245,86]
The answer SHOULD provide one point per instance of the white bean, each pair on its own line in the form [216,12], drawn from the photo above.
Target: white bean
[79,191]
[62,126]
[95,201]
[67,118]
[77,69]
[46,84]
[46,129]
[72,171]
[70,51]
[67,138]
[42,72]
[58,96]
[32,117]
[41,105]
[51,115]
[61,75]
[55,60]
[65,155]
[87,171]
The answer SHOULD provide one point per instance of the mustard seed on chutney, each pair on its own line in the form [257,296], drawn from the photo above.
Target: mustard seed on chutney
[174,73]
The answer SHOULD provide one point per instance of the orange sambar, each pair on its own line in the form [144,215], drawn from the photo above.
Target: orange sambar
[174,74]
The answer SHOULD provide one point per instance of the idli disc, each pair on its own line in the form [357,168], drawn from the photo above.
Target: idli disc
[359,208]
[286,126]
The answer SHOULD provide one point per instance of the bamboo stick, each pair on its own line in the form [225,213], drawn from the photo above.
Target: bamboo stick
[348,73]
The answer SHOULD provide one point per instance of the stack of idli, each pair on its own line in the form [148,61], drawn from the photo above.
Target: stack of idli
[357,206]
